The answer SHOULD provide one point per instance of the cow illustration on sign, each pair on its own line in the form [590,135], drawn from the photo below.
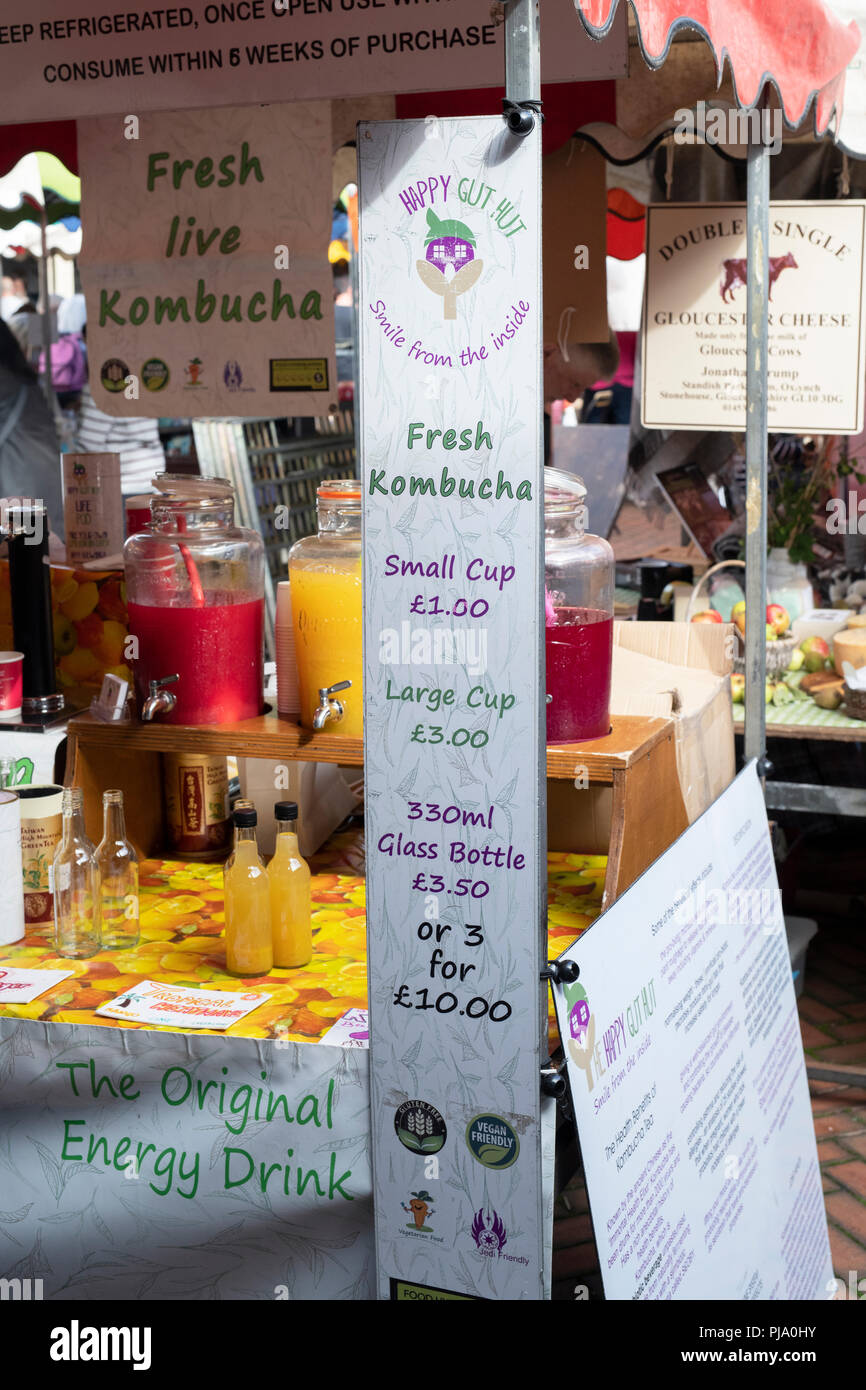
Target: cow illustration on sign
[451,267]
[734,272]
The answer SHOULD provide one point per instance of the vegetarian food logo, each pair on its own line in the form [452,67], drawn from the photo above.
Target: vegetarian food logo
[450,268]
[492,1141]
[420,1127]
[488,1232]
[193,372]
[419,1209]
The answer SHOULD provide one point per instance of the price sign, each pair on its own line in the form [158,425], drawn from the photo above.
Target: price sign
[450,308]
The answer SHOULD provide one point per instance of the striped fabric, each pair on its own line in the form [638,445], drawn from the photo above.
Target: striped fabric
[136,441]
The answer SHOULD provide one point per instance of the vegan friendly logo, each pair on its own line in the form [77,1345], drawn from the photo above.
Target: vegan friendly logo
[420,1127]
[419,1209]
[113,374]
[450,268]
[492,1141]
[154,374]
[488,1232]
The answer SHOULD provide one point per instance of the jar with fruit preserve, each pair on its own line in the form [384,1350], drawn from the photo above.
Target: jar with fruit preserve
[325,583]
[195,594]
[578,602]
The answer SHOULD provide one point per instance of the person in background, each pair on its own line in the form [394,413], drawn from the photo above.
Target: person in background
[136,440]
[567,375]
[29,449]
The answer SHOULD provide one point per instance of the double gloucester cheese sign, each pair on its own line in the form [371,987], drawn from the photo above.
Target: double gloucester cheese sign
[453,701]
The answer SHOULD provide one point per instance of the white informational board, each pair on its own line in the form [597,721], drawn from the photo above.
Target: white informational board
[450,305]
[688,1080]
[205,262]
[105,58]
[694,324]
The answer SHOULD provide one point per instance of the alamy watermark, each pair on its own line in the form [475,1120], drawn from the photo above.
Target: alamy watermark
[727,125]
[440,646]
[25,516]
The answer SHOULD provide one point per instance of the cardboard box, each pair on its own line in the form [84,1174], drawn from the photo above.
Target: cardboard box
[681,671]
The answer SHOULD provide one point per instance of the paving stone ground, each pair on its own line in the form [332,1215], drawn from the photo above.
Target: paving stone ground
[833,1025]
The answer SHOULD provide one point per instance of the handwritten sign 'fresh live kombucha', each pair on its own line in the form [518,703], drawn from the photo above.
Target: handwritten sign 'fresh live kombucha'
[694,328]
[450,310]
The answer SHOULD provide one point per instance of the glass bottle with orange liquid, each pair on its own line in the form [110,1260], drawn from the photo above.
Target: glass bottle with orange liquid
[289,881]
[249,948]
[325,579]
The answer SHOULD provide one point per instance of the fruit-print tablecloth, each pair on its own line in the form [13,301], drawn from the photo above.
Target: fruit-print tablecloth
[181,943]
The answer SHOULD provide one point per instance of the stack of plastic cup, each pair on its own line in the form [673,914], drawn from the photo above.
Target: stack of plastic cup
[288,692]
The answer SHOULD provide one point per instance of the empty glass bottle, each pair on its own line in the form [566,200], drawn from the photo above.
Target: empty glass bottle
[118,877]
[75,879]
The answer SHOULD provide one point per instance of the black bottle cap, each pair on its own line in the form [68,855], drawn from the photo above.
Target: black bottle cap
[286,810]
[245,817]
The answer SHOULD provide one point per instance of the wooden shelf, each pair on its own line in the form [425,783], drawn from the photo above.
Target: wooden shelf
[270,736]
[618,795]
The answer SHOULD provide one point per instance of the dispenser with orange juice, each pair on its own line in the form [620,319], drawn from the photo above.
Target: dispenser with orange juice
[325,579]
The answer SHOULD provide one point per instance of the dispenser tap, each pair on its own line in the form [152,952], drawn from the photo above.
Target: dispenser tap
[160,700]
[328,708]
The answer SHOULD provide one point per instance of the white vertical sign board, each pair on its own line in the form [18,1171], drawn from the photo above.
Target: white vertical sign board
[451,411]
[688,1079]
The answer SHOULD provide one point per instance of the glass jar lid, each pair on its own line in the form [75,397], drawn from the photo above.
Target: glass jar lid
[563,492]
[339,490]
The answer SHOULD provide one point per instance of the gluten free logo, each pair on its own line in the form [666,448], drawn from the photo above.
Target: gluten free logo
[113,374]
[492,1141]
[420,1127]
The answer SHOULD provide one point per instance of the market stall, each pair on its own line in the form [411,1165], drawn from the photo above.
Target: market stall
[237,1158]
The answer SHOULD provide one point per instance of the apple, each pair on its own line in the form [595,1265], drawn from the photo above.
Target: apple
[769,691]
[796,661]
[738,616]
[707,615]
[815,652]
[779,618]
[771,633]
[738,688]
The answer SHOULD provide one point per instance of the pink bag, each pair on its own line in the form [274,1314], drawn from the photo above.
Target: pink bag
[68,363]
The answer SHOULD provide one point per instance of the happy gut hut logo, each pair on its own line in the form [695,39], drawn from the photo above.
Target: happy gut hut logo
[450,267]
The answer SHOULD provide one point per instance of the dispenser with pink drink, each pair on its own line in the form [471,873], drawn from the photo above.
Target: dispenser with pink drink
[195,596]
[579,597]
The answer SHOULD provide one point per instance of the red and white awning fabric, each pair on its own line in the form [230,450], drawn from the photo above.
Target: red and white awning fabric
[802,46]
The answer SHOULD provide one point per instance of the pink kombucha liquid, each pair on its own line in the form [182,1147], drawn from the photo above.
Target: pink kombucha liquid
[216,651]
[579,650]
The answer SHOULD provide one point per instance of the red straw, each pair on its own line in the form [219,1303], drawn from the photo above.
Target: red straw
[194,580]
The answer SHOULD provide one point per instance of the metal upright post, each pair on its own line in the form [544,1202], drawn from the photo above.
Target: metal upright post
[757,228]
[522,51]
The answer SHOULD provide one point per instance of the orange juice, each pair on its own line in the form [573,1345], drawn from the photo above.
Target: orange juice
[289,882]
[249,949]
[327,617]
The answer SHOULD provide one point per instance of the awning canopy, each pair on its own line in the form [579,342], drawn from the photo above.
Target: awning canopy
[802,46]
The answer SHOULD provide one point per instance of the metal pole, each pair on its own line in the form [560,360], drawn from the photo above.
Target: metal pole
[757,230]
[522,51]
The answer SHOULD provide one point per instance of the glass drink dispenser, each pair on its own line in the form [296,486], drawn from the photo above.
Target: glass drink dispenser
[325,580]
[578,601]
[195,595]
